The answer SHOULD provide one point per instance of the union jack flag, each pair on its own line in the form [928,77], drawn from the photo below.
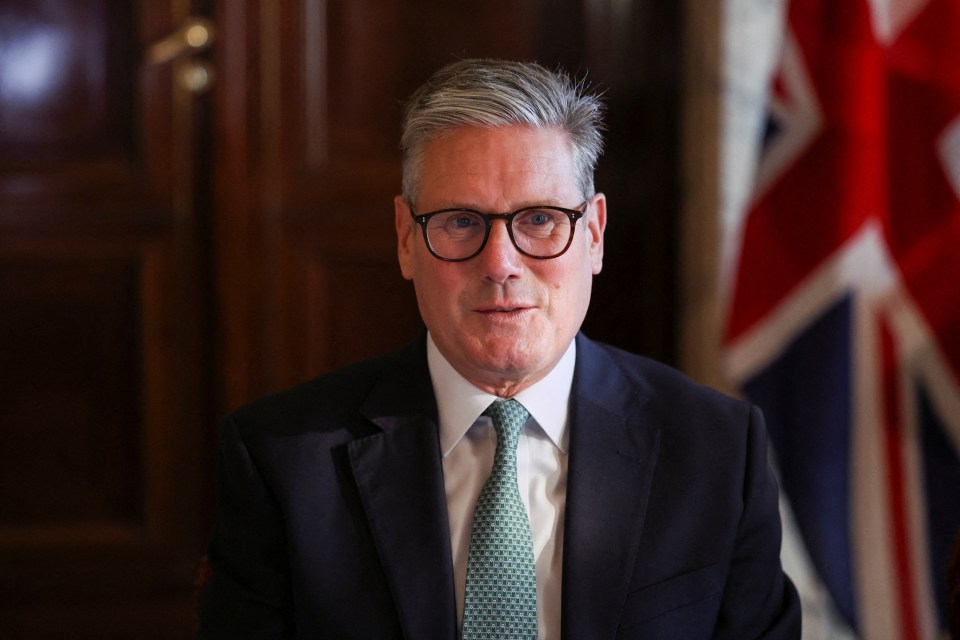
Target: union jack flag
[843,300]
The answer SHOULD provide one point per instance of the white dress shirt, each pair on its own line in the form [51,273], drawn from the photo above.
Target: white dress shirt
[468,442]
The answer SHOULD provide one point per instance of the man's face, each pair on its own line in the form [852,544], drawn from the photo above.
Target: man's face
[502,319]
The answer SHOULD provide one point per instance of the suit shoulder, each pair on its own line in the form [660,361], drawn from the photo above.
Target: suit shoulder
[700,427]
[668,387]
[332,398]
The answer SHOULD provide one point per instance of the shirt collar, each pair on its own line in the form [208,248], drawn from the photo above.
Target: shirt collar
[460,403]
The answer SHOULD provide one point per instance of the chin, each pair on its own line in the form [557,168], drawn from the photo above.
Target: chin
[508,359]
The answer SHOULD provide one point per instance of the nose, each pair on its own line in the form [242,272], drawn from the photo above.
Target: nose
[500,260]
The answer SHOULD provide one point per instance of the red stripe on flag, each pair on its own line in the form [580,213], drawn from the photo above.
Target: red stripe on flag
[837,182]
[894,433]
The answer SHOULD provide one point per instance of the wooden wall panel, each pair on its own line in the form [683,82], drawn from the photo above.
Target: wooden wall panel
[361,310]
[103,429]
[100,451]
[63,90]
[69,348]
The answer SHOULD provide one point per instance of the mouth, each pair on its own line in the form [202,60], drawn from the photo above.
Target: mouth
[503,311]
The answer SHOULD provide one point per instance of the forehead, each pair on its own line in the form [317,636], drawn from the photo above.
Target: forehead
[507,165]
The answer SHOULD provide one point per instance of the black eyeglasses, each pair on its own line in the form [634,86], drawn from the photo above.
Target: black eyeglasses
[540,231]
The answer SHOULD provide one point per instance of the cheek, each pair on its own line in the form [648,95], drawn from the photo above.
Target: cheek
[570,291]
[559,285]
[437,287]
[564,279]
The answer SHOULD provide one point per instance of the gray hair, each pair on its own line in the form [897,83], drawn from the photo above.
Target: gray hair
[497,93]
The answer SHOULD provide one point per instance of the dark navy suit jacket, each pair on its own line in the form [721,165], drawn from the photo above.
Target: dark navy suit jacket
[333,522]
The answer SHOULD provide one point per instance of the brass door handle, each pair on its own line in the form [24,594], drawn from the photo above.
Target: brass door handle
[194,36]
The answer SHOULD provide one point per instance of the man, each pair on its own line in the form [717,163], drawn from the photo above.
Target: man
[384,500]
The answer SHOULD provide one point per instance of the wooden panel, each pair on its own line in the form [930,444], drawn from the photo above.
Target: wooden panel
[67,132]
[359,62]
[373,307]
[105,439]
[63,89]
[100,482]
[358,119]
[69,340]
[632,49]
[88,548]
[342,295]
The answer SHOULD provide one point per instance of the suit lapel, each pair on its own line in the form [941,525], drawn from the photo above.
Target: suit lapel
[399,476]
[613,454]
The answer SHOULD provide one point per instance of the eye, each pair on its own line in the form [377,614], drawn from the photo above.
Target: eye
[538,222]
[539,218]
[458,224]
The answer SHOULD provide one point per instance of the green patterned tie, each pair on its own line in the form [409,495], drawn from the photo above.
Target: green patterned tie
[501,593]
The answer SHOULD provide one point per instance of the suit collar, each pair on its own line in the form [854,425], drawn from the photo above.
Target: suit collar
[400,479]
[460,403]
[613,453]
[404,388]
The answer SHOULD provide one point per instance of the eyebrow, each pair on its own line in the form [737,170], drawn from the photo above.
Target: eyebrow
[550,202]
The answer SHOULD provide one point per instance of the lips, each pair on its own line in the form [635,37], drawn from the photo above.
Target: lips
[503,309]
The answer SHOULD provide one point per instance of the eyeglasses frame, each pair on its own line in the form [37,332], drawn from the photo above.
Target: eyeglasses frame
[488,218]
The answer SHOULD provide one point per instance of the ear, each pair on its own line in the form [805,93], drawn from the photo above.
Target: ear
[403,222]
[596,223]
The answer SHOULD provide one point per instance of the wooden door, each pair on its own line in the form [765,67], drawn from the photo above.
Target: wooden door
[103,367]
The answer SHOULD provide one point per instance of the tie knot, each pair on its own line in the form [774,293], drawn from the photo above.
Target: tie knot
[508,418]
